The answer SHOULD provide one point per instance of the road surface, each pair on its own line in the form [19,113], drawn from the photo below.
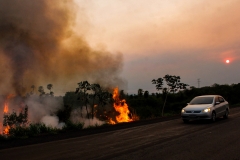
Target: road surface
[164,140]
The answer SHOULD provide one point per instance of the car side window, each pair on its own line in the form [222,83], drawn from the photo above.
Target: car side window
[216,99]
[221,99]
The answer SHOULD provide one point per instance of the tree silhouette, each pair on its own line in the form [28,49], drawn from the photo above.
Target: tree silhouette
[146,94]
[49,87]
[96,90]
[84,86]
[173,85]
[140,92]
[103,98]
[41,90]
[122,94]
[158,82]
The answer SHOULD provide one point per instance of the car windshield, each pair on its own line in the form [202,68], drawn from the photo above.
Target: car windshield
[202,100]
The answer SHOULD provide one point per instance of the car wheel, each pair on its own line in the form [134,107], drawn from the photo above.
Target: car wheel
[213,117]
[185,120]
[226,114]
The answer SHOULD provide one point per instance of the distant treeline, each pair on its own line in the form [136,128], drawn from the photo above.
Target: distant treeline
[149,105]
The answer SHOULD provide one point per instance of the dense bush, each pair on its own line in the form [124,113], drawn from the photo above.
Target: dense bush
[14,120]
[73,126]
[65,113]
[31,130]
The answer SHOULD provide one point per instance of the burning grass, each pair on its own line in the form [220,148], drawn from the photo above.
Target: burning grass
[91,112]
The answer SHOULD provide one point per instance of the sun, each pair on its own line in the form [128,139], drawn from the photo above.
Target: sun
[227,61]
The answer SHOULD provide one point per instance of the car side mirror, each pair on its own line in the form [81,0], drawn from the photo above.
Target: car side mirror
[216,103]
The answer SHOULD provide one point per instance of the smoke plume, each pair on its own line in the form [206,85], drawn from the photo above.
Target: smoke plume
[38,45]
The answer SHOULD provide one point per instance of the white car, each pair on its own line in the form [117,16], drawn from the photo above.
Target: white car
[205,107]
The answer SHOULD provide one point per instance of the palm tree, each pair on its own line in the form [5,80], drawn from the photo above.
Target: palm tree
[41,90]
[49,87]
[33,88]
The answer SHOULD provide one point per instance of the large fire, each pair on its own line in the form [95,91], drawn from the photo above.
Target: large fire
[121,107]
[121,115]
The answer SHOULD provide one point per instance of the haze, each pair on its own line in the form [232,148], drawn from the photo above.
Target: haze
[191,39]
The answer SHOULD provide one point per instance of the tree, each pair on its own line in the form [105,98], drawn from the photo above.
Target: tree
[96,90]
[91,93]
[158,82]
[122,94]
[140,92]
[82,89]
[13,120]
[49,87]
[41,90]
[173,85]
[146,94]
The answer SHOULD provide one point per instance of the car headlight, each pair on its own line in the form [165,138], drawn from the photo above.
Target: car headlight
[183,110]
[206,110]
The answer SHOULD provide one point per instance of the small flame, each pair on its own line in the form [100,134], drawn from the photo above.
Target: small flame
[111,121]
[1,125]
[6,130]
[121,107]
[5,111]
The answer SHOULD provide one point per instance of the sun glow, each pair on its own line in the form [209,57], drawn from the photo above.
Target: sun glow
[227,61]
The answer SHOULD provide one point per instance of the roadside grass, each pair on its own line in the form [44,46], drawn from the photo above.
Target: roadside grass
[37,129]
[94,126]
[168,114]
[72,126]
[235,105]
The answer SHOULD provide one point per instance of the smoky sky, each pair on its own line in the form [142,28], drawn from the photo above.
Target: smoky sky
[191,39]
[38,45]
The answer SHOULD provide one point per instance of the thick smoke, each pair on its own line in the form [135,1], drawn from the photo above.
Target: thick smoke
[38,46]
[77,117]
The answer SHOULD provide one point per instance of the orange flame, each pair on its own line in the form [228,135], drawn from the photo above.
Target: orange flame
[121,107]
[6,130]
[111,121]
[5,111]
[1,125]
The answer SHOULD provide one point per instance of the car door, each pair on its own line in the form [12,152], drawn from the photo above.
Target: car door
[222,105]
[217,107]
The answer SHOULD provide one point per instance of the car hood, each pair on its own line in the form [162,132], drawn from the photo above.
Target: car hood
[197,106]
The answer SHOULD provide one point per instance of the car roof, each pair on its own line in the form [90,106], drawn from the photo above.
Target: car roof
[210,96]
